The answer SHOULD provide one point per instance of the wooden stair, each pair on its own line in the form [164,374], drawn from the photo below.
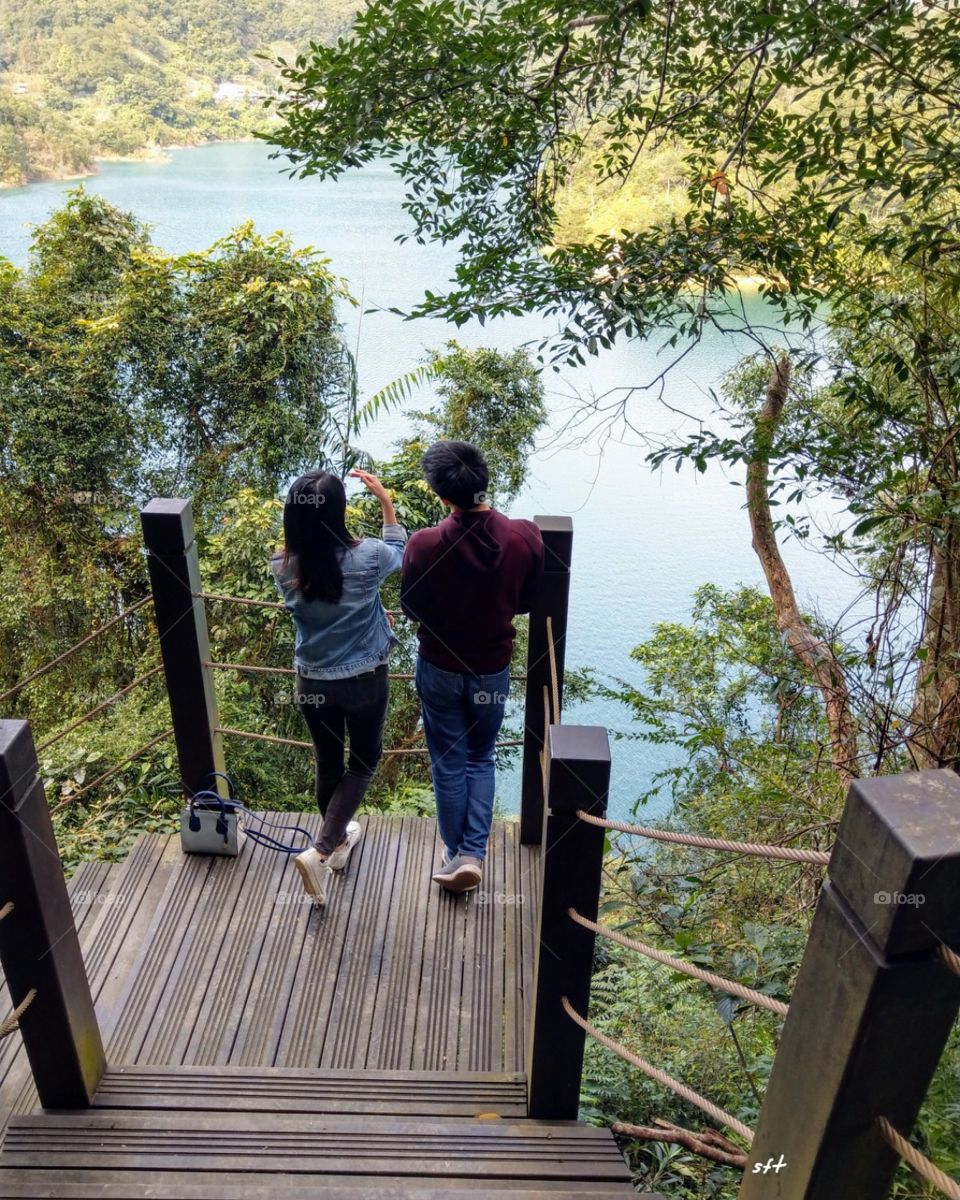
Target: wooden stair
[241,1133]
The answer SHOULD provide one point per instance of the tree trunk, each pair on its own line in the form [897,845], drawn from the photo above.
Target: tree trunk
[935,735]
[816,655]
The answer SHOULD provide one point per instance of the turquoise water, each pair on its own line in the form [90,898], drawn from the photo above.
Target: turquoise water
[643,541]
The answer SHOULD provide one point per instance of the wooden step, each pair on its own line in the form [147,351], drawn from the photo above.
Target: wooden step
[228,1148]
[178,1185]
[313,1092]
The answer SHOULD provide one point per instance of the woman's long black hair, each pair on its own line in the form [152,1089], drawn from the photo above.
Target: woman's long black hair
[315,535]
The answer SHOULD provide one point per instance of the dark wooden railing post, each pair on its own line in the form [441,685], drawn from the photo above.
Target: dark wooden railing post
[39,947]
[552,601]
[184,645]
[873,1002]
[577,772]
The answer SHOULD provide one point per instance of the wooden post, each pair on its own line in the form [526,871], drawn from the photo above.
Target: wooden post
[39,947]
[873,1002]
[184,645]
[578,777]
[552,601]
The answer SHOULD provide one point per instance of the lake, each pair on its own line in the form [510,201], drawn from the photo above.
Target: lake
[643,541]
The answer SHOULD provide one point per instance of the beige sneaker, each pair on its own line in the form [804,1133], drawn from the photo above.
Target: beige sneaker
[463,874]
[315,873]
[338,859]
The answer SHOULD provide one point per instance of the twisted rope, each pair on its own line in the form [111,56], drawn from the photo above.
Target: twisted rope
[920,1163]
[256,670]
[99,708]
[681,1089]
[269,737]
[951,959]
[786,853]
[55,662]
[225,666]
[686,968]
[391,612]
[239,600]
[11,1023]
[113,771]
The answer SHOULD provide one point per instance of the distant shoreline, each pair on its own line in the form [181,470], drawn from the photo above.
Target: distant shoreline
[149,154]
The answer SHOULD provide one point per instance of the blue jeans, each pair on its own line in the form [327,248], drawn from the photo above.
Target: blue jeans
[462,715]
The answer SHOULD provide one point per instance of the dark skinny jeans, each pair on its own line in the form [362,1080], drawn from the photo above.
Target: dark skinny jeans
[332,707]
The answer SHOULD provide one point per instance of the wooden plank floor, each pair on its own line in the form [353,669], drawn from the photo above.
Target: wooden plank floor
[237,968]
[220,991]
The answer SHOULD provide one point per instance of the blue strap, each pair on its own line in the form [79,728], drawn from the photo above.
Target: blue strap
[262,838]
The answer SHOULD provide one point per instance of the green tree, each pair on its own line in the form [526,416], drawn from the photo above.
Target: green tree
[818,145]
[494,400]
[125,373]
[796,122]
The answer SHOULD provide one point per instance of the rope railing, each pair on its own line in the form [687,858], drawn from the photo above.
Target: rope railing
[254,669]
[6,910]
[55,662]
[247,600]
[269,737]
[757,849]
[89,787]
[681,1089]
[250,668]
[920,1163]
[10,1024]
[951,959]
[254,603]
[51,741]
[678,964]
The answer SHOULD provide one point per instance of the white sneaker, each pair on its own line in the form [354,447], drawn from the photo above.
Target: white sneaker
[338,859]
[315,873]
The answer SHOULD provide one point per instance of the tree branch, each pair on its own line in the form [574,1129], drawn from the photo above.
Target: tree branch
[707,1144]
[816,654]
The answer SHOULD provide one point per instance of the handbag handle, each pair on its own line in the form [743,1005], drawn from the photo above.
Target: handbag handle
[207,794]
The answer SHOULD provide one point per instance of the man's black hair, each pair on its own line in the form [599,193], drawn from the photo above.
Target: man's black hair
[457,472]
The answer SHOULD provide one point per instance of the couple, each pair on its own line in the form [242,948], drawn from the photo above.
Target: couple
[463,582]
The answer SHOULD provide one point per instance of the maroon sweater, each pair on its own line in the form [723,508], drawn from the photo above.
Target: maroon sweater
[464,581]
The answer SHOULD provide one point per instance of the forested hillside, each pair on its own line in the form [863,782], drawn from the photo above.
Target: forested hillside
[116,77]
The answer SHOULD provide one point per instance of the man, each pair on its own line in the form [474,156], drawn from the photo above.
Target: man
[464,581]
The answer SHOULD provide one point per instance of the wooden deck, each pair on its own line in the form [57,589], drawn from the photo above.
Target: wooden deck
[257,1045]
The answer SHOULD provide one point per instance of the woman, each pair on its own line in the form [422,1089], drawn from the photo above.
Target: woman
[330,582]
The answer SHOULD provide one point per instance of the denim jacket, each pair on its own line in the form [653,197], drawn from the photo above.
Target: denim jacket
[335,641]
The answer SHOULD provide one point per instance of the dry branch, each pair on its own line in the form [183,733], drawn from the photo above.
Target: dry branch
[813,652]
[707,1144]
